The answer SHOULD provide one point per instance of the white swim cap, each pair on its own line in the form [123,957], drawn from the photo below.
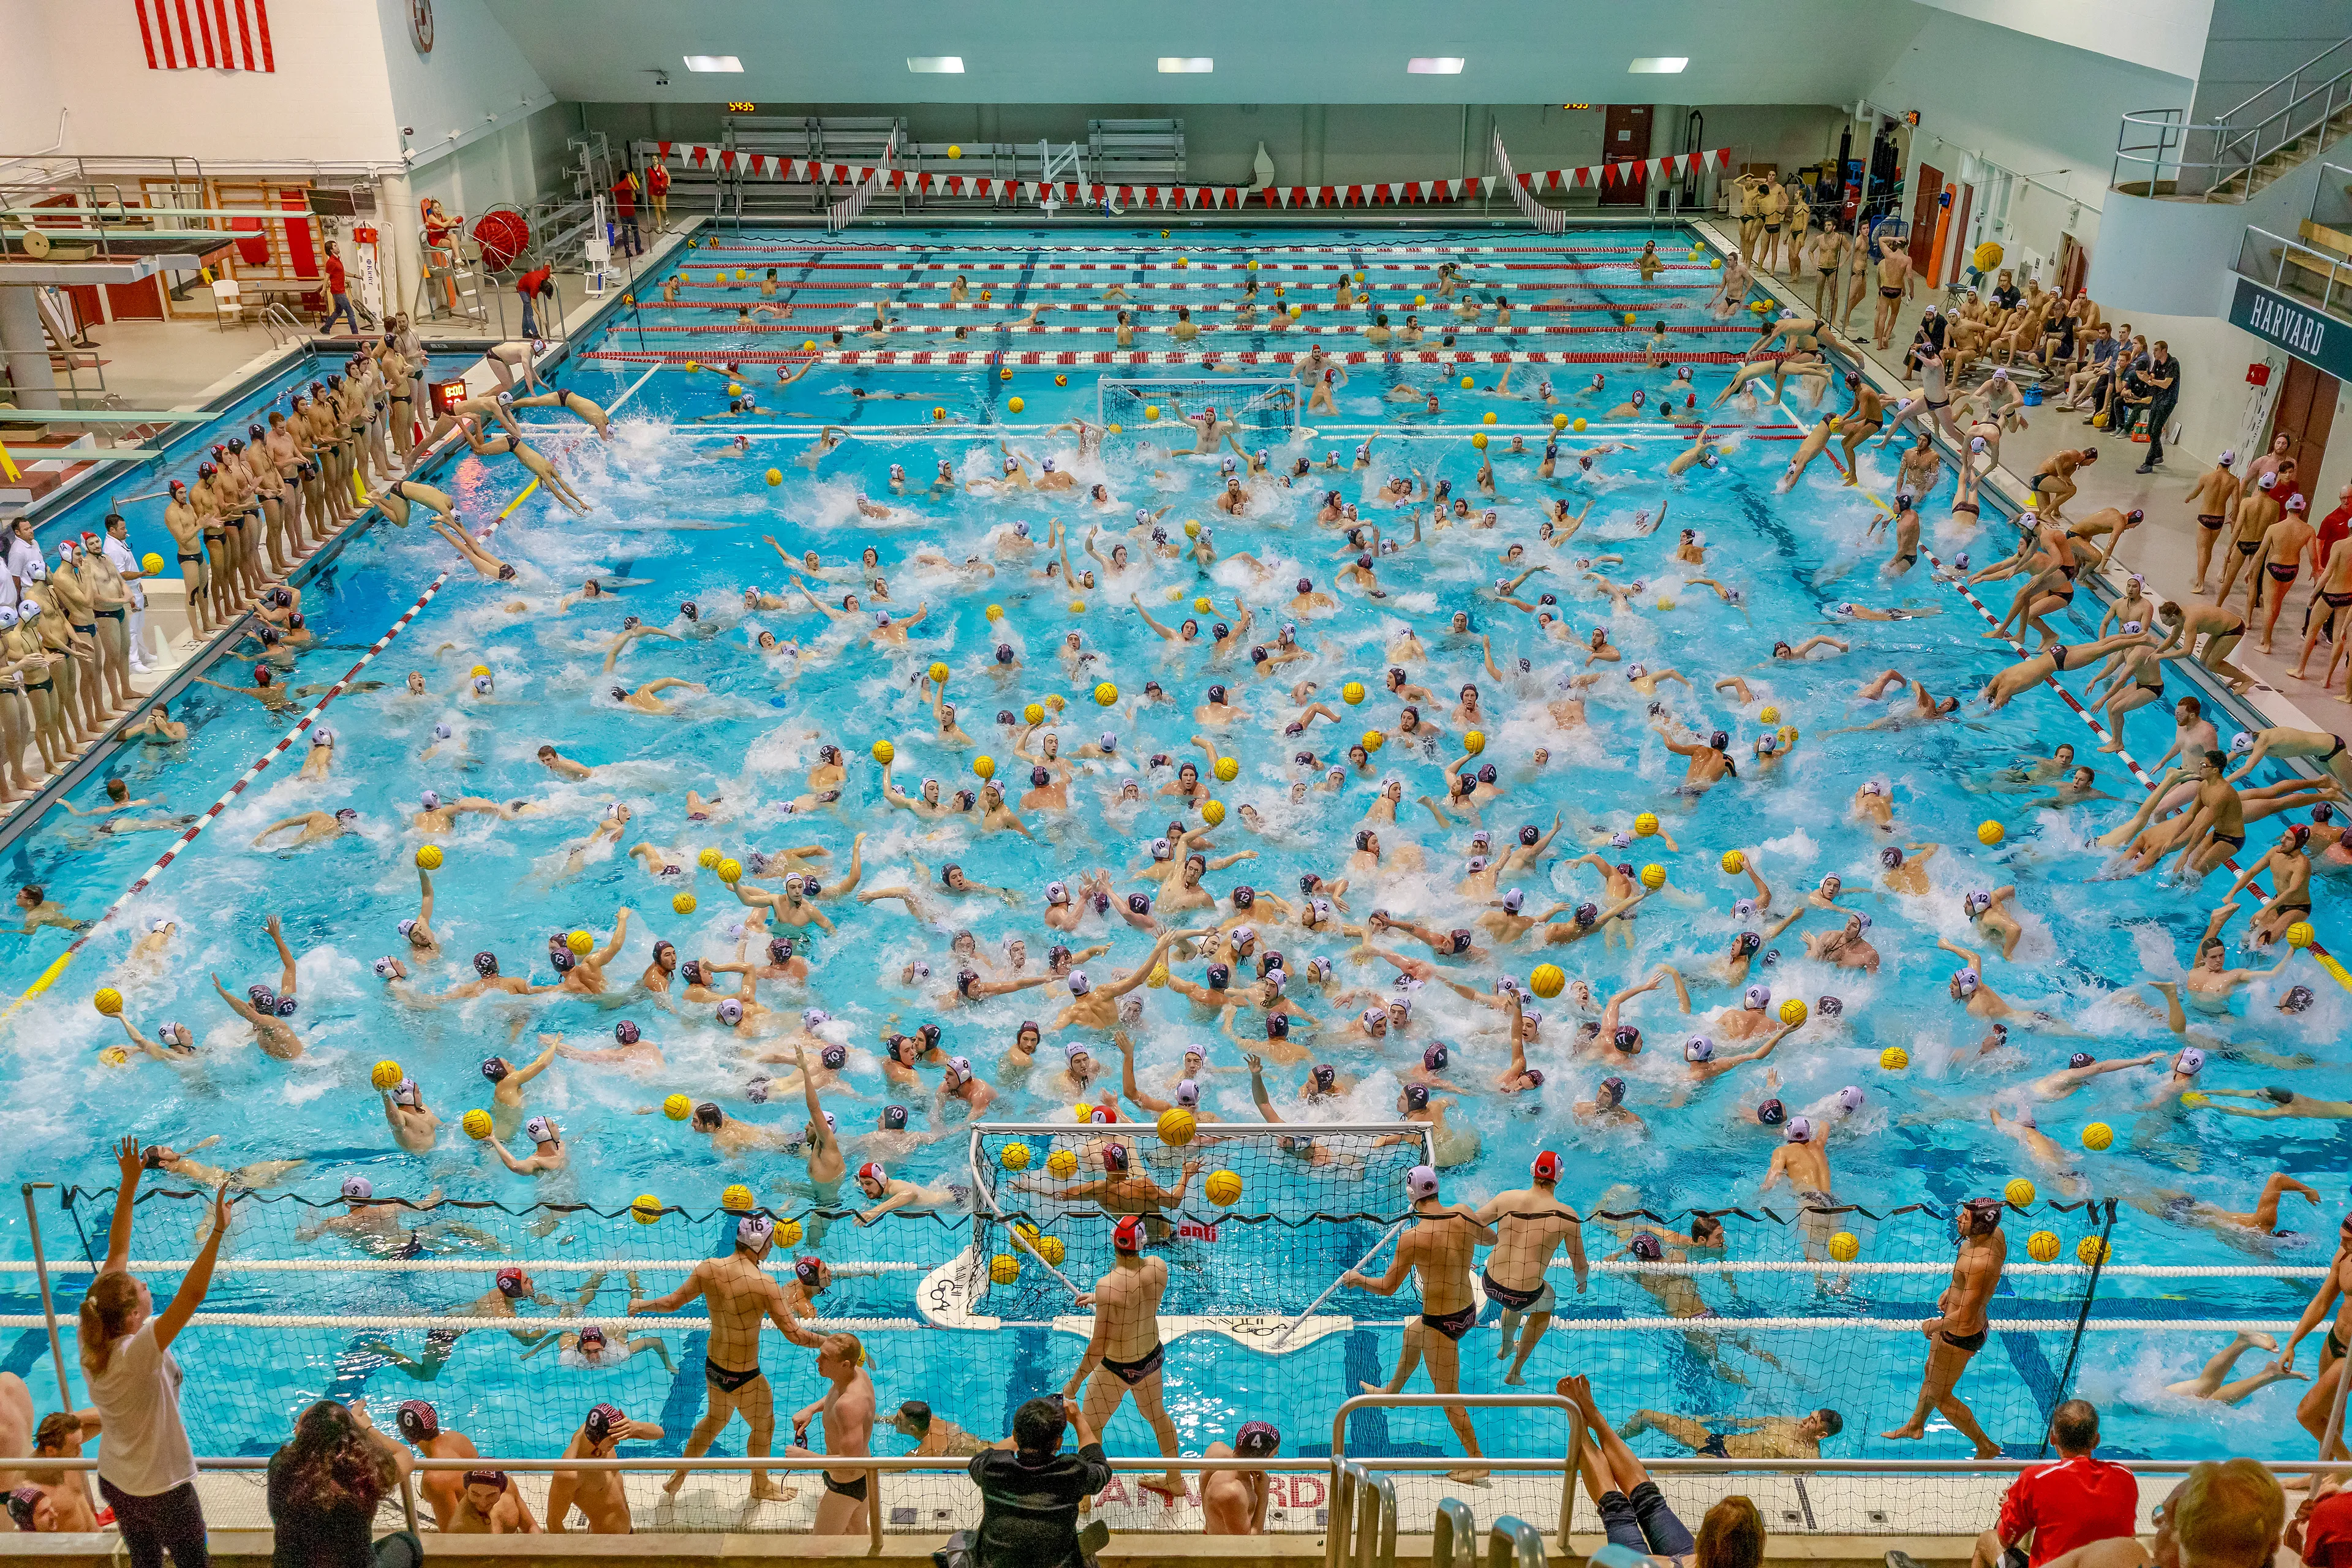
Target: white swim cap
[1850,1099]
[358,1188]
[1698,1048]
[432,801]
[1079,983]
[731,1011]
[2189,1060]
[1969,980]
[538,1129]
[1758,998]
[442,732]
[1057,893]
[812,1016]
[1420,1182]
[322,736]
[2241,743]
[1799,1130]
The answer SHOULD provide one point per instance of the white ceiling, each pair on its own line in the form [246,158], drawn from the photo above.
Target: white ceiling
[1307,51]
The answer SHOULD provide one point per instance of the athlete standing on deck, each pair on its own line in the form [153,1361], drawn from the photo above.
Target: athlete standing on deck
[1440,1247]
[1959,1332]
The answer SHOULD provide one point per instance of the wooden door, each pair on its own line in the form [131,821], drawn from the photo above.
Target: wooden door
[2304,413]
[1624,136]
[1923,213]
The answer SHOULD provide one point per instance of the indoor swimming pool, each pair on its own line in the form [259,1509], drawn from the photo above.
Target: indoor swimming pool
[891,477]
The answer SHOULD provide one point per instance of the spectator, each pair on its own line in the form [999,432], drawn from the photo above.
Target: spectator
[2335,525]
[2070,1503]
[2162,379]
[1730,1536]
[2225,1515]
[657,193]
[624,214]
[146,1467]
[325,1486]
[1030,1496]
[2322,1532]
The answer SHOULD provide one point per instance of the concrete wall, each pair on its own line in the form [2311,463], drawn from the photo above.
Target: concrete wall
[475,82]
[1310,143]
[2254,43]
[329,101]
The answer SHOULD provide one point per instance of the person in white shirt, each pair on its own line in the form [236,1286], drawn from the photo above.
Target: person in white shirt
[146,1467]
[116,548]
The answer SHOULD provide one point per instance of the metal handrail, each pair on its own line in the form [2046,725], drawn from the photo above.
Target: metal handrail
[1371,1505]
[1483,1401]
[2335,294]
[1455,1525]
[1514,1543]
[2237,149]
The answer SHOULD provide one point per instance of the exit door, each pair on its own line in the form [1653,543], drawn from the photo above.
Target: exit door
[1624,137]
[2305,410]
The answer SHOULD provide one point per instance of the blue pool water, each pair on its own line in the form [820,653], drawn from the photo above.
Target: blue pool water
[683,513]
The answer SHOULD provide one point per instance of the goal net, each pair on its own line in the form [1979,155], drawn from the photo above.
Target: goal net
[1255,1223]
[1265,410]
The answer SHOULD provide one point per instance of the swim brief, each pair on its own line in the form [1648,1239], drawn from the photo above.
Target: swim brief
[1540,1299]
[854,1491]
[1968,1344]
[1453,1325]
[728,1379]
[1131,1372]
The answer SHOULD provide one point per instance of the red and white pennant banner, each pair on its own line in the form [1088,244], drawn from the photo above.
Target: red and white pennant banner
[762,166]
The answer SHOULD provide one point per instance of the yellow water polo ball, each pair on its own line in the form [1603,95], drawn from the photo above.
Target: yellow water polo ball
[788,1233]
[1646,824]
[1005,374]
[1152,411]
[1181,262]
[1224,1187]
[1295,309]
[1077,606]
[2043,1246]
[2093,1251]
[1251,265]
[1352,693]
[1547,980]
[2019,1192]
[734,389]
[1769,715]
[1479,440]
[1475,741]
[1083,1111]
[1373,740]
[1990,832]
[1787,735]
[1757,307]
[1487,418]
[1061,381]
[1062,1164]
[884,751]
[1654,875]
[995,611]
[1158,978]
[581,942]
[115,1056]
[1468,381]
[1013,1156]
[1421,298]
[1004,1269]
[1033,714]
[1793,1010]
[1579,422]
[707,858]
[2098,1135]
[775,475]
[1227,770]
[690,364]
[1014,405]
[429,856]
[646,1209]
[151,563]
[937,672]
[682,903]
[1734,862]
[1115,428]
[1559,421]
[385,1074]
[1845,1247]
[1106,694]
[985,767]
[1629,318]
[938,413]
[1213,812]
[2299,934]
[1049,1249]
[738,1199]
[477,1123]
[108,1001]
[1191,528]
[1894,1059]
[678,1107]
[954,150]
[1176,1125]
[807,344]
[1201,604]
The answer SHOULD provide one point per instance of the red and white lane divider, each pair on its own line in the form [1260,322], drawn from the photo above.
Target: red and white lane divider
[1102,328]
[936,357]
[801,287]
[1190,266]
[1435,252]
[1138,308]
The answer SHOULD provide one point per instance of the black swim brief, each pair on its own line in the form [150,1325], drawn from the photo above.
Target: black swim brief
[854,1490]
[728,1379]
[1131,1372]
[1515,1300]
[1454,1325]
[1970,1344]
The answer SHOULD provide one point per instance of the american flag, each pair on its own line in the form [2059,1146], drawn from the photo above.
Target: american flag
[207,34]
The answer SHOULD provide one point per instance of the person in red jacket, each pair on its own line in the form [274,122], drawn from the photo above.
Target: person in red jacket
[657,193]
[339,298]
[624,214]
[534,286]
[2071,1502]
